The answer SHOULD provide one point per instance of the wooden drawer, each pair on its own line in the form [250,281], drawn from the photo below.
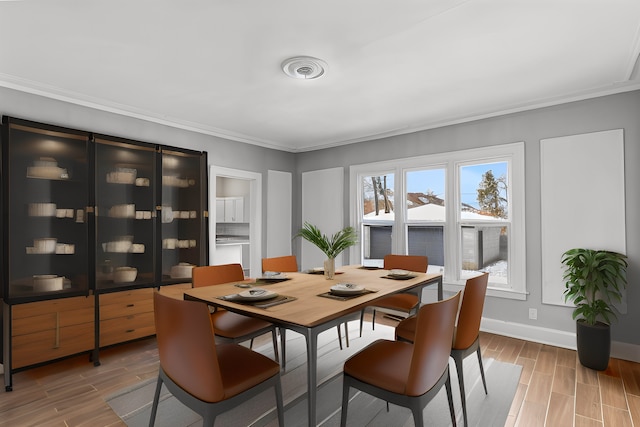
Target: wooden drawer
[126,303]
[121,329]
[21,311]
[51,344]
[51,320]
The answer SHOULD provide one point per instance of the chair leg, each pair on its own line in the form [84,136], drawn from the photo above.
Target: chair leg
[251,344]
[373,320]
[458,359]
[345,402]
[452,411]
[339,336]
[279,404]
[361,321]
[156,400]
[484,381]
[274,337]
[418,416]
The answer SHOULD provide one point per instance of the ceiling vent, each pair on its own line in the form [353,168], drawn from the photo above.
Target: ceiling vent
[304,67]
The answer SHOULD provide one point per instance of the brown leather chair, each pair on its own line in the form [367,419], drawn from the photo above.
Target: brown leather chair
[402,302]
[466,339]
[231,326]
[208,378]
[405,374]
[283,264]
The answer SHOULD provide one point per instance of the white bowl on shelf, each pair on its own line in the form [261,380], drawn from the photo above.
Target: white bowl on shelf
[46,245]
[125,274]
[42,209]
[183,270]
[47,282]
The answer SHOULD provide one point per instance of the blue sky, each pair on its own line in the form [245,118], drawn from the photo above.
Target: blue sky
[470,176]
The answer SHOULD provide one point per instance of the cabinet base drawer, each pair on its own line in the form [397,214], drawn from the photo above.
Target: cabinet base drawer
[114,331]
[47,345]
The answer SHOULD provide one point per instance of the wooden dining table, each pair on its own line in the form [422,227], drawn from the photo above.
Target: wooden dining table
[305,304]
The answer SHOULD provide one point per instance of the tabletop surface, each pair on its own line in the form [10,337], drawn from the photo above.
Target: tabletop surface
[309,309]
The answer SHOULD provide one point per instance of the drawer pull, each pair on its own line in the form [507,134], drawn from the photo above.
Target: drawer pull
[57,343]
[131,305]
[130,330]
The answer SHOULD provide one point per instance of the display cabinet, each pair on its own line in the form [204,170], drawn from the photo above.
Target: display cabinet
[45,199]
[125,197]
[91,225]
[183,224]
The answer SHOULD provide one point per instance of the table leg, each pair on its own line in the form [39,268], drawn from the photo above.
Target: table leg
[312,374]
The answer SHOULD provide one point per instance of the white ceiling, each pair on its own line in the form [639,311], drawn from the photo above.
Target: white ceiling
[214,66]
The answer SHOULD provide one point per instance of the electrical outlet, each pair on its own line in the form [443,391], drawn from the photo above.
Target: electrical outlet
[533,314]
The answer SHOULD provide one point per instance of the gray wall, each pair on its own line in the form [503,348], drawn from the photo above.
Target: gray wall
[609,112]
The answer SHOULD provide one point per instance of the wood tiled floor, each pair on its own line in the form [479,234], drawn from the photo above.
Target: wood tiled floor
[554,389]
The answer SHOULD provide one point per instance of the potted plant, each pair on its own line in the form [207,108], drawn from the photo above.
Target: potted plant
[331,246]
[594,281]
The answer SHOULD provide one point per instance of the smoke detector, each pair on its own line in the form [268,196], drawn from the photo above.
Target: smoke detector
[304,67]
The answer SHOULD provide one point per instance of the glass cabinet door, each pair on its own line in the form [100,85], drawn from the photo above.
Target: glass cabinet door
[182,212]
[46,195]
[125,176]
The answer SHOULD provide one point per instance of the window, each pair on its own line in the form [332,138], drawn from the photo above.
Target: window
[377,202]
[425,214]
[464,210]
[483,212]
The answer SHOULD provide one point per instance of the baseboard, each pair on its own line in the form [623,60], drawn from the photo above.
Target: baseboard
[619,350]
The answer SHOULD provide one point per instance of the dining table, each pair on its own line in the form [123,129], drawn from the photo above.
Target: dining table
[304,302]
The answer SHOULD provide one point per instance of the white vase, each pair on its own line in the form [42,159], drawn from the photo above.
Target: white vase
[329,268]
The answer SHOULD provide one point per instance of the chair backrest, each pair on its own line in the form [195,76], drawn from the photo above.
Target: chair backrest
[470,314]
[432,345]
[283,264]
[186,346]
[216,274]
[415,263]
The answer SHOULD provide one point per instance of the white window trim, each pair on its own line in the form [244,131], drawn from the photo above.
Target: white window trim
[513,152]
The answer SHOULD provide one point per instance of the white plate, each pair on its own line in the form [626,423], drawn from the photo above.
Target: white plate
[346,289]
[398,272]
[273,275]
[257,294]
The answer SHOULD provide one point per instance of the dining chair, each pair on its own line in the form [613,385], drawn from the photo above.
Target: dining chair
[229,326]
[403,302]
[283,264]
[208,378]
[405,374]
[288,264]
[466,338]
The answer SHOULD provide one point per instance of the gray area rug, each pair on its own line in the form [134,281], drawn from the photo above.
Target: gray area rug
[133,405]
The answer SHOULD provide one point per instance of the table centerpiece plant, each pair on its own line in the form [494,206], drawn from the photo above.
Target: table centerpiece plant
[330,246]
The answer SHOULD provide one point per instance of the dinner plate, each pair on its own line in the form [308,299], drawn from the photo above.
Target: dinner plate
[346,289]
[272,275]
[399,273]
[256,294]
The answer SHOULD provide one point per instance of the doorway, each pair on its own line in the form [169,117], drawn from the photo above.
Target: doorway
[235,218]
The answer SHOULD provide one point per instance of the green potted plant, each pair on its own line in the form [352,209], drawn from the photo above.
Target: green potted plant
[594,281]
[331,246]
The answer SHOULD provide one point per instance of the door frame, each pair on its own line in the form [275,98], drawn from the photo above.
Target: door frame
[255,214]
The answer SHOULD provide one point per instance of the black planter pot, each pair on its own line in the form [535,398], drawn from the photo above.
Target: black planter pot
[594,344]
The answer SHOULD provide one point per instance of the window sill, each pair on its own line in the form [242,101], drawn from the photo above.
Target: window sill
[492,292]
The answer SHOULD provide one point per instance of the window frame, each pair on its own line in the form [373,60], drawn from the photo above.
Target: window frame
[513,153]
